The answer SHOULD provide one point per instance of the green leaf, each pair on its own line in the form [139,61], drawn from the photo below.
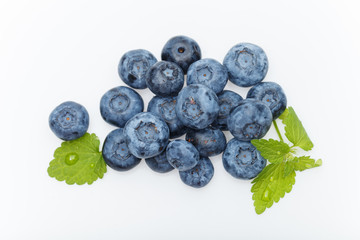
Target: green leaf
[284,114]
[289,168]
[271,185]
[305,162]
[272,150]
[78,161]
[295,132]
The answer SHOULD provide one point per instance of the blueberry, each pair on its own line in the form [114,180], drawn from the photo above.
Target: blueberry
[250,120]
[159,163]
[197,106]
[182,155]
[208,72]
[165,108]
[242,159]
[200,175]
[133,66]
[120,104]
[272,95]
[116,153]
[228,100]
[181,50]
[209,141]
[69,121]
[146,135]
[165,79]
[247,64]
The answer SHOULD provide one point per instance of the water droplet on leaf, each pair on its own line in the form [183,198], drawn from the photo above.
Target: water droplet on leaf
[267,195]
[71,158]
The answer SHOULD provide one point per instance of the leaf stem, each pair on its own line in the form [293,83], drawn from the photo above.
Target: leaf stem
[277,130]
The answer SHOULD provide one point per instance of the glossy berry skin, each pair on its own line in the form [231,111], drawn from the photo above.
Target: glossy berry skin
[116,152]
[182,155]
[119,104]
[242,160]
[197,106]
[200,175]
[159,163]
[272,95]
[181,50]
[165,108]
[69,121]
[133,66]
[228,100]
[208,72]
[146,135]
[250,120]
[247,64]
[165,79]
[209,141]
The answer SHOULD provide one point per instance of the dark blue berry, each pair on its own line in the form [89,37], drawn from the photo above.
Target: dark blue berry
[146,135]
[159,163]
[133,66]
[250,120]
[116,153]
[182,155]
[208,72]
[165,108]
[247,64]
[181,50]
[69,121]
[242,159]
[165,79]
[120,104]
[228,100]
[272,95]
[209,141]
[197,106]
[200,175]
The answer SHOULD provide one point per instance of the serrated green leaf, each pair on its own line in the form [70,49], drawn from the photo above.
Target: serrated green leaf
[295,132]
[272,150]
[305,162]
[289,167]
[271,185]
[78,161]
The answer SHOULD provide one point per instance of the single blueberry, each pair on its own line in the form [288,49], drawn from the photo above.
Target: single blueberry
[182,155]
[250,120]
[247,64]
[146,135]
[165,108]
[197,106]
[208,72]
[119,104]
[200,175]
[133,66]
[228,100]
[159,163]
[116,153]
[181,50]
[209,141]
[242,159]
[272,95]
[165,79]
[69,121]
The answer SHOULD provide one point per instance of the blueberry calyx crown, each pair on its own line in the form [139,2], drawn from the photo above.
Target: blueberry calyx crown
[191,109]
[146,131]
[119,103]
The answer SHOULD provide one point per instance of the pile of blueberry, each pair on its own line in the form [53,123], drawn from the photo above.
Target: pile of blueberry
[201,110]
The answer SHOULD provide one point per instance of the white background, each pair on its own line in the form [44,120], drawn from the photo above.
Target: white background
[54,51]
